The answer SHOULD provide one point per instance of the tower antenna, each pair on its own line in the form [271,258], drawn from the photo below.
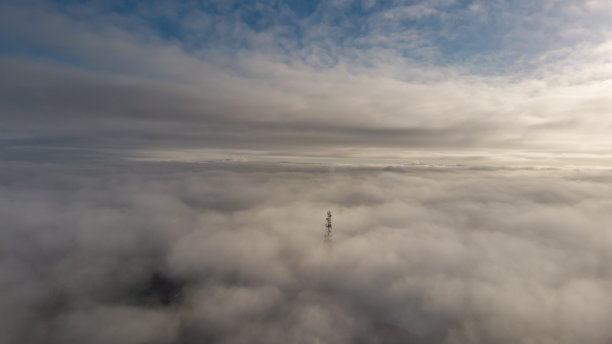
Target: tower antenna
[328,226]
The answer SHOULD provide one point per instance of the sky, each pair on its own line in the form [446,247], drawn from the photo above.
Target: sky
[520,81]
[166,168]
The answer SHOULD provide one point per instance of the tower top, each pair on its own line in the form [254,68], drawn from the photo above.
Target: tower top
[328,226]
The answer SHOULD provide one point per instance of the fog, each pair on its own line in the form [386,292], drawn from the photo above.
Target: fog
[108,251]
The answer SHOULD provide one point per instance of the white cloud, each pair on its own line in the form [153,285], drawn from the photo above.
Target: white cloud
[451,254]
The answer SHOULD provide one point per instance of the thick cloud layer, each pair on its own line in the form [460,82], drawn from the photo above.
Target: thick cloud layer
[333,78]
[138,252]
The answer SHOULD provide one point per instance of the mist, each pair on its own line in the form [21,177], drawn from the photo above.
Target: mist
[101,251]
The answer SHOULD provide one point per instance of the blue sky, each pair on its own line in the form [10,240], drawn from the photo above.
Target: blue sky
[439,32]
[322,78]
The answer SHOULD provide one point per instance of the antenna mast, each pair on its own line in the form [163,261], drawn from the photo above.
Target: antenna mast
[328,226]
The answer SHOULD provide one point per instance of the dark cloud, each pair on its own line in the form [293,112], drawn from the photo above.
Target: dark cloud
[134,252]
[53,106]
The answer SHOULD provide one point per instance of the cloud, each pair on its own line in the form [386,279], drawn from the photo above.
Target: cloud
[137,206]
[326,90]
[434,255]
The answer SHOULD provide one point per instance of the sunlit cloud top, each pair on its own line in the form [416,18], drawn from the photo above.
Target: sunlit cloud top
[328,79]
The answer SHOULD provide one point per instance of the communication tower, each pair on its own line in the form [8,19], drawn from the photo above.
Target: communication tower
[328,226]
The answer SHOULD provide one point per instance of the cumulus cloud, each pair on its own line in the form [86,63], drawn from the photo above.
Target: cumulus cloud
[150,252]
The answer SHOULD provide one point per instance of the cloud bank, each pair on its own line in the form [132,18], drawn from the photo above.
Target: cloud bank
[144,252]
[334,78]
